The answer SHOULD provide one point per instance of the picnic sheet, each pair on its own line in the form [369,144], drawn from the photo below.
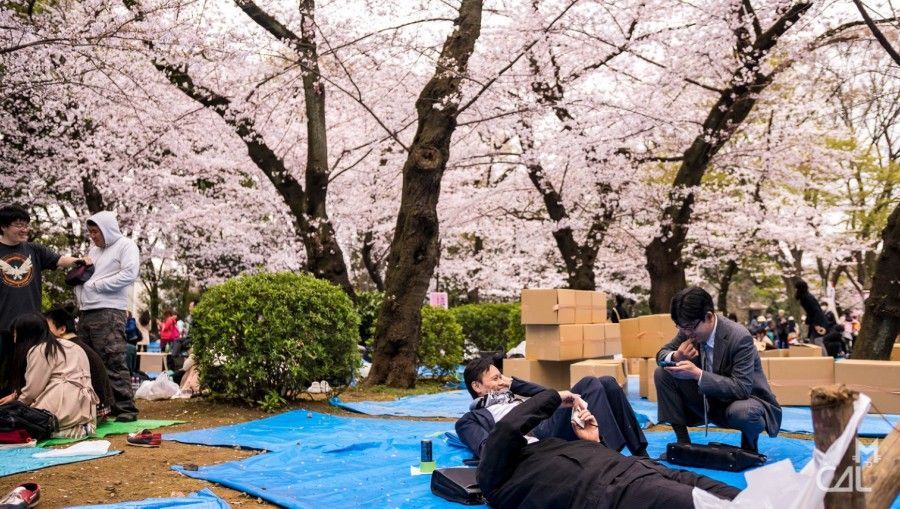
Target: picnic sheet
[14,461]
[111,428]
[203,499]
[322,460]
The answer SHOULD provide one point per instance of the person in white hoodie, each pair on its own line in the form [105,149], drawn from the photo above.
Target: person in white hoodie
[104,300]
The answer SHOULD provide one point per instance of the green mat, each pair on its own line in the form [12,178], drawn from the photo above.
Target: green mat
[112,428]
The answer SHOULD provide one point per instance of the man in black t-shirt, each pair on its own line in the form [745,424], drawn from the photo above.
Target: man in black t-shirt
[21,264]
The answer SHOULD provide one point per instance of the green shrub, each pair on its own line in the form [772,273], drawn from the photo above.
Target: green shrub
[487,325]
[441,342]
[515,331]
[260,336]
[367,306]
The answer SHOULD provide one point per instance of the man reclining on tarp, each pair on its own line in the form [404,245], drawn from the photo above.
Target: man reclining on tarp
[495,395]
[577,474]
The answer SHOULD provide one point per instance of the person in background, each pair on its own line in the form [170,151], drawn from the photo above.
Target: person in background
[815,317]
[781,330]
[834,342]
[104,302]
[762,341]
[829,314]
[61,322]
[132,338]
[168,330]
[53,376]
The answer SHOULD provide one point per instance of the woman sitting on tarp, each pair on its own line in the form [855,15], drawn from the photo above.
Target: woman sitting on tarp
[51,376]
[61,321]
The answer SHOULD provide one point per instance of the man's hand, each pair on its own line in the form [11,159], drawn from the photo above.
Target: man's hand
[590,431]
[9,398]
[570,400]
[686,351]
[87,260]
[685,370]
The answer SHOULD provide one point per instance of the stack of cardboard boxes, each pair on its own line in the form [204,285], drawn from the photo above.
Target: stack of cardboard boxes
[792,378]
[642,337]
[561,328]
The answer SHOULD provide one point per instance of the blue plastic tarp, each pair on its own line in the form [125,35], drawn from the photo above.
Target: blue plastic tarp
[455,403]
[334,469]
[309,429]
[14,461]
[203,499]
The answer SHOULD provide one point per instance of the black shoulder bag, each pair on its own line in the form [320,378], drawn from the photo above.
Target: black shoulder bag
[39,423]
[714,456]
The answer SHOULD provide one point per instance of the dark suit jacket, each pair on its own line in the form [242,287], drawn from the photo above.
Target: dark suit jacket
[555,473]
[474,427]
[737,371]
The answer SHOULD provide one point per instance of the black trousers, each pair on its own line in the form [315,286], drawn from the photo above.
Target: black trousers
[607,402]
[681,403]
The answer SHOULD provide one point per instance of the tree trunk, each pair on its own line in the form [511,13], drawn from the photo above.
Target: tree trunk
[881,320]
[832,407]
[372,265]
[731,269]
[414,248]
[93,198]
[325,258]
[664,263]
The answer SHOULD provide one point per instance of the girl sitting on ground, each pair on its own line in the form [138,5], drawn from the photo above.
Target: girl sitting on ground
[61,322]
[52,375]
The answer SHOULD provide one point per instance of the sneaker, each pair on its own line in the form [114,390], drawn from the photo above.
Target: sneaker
[325,387]
[315,388]
[24,495]
[144,438]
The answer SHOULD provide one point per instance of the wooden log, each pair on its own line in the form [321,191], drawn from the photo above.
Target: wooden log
[832,407]
[882,473]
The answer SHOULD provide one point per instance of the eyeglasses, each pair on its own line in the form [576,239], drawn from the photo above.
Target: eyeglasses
[20,225]
[690,328]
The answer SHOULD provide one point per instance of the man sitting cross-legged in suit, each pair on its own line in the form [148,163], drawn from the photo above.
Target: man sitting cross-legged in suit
[552,472]
[495,395]
[717,377]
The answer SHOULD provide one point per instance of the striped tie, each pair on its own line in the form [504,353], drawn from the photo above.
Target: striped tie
[707,366]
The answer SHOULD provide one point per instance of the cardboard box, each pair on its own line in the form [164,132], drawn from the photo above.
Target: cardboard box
[778,352]
[554,342]
[540,306]
[791,379]
[598,307]
[806,351]
[613,347]
[645,335]
[550,374]
[584,310]
[613,338]
[647,387]
[895,353]
[594,341]
[633,365]
[880,380]
[599,367]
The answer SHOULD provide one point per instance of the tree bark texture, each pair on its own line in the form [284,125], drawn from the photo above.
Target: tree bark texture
[325,258]
[731,268]
[414,248]
[664,253]
[881,320]
[368,258]
[832,407]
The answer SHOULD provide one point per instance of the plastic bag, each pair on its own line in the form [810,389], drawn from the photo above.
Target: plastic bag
[778,486]
[90,448]
[161,388]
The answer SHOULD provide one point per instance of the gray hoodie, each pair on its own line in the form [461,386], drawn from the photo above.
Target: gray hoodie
[116,267]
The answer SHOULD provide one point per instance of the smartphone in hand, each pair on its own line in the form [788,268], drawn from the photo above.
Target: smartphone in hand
[666,364]
[576,418]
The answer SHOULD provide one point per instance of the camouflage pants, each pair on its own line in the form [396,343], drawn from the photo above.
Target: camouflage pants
[104,331]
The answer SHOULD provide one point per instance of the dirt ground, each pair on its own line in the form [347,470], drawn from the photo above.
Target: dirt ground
[140,473]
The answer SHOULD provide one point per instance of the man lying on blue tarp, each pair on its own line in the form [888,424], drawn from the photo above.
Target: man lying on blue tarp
[495,395]
[576,474]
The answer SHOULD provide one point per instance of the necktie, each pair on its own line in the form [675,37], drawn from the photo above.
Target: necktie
[707,366]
